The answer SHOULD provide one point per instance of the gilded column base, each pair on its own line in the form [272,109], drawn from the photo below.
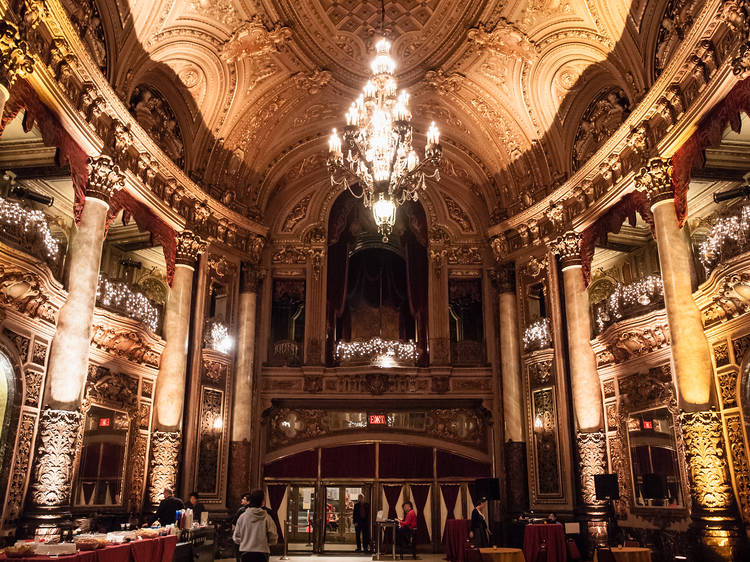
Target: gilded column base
[58,441]
[165,456]
[592,460]
[715,533]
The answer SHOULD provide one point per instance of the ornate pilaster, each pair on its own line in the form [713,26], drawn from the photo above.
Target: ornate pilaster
[15,60]
[189,246]
[105,178]
[714,511]
[165,451]
[655,180]
[568,249]
[592,457]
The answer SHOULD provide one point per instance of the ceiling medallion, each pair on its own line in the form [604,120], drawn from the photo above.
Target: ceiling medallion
[377,151]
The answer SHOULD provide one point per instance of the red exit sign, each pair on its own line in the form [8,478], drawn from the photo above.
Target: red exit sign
[377,419]
[104,422]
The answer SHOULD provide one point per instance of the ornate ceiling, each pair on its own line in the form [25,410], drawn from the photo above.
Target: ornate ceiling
[243,93]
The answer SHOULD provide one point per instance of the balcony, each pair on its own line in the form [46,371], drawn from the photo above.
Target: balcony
[28,230]
[378,352]
[285,353]
[629,301]
[120,297]
[729,237]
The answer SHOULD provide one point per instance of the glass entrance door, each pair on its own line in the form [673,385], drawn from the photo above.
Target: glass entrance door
[301,513]
[339,531]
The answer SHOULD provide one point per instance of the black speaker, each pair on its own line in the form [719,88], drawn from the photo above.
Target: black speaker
[655,486]
[488,488]
[606,487]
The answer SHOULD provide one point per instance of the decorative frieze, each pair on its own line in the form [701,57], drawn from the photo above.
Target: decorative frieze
[105,178]
[15,60]
[165,452]
[57,445]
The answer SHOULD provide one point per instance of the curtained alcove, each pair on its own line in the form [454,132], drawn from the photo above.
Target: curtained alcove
[376,289]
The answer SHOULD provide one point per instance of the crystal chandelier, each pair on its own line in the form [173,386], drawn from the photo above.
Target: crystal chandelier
[377,151]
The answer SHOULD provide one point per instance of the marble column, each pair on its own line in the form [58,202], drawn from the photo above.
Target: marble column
[169,396]
[715,528]
[242,408]
[591,445]
[15,61]
[60,420]
[512,388]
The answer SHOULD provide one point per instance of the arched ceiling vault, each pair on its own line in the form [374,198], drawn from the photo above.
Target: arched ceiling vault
[256,85]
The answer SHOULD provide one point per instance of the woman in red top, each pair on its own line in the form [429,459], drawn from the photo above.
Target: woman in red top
[410,516]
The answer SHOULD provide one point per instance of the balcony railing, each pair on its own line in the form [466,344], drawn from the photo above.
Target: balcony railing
[629,301]
[118,296]
[729,237]
[29,231]
[285,352]
[377,351]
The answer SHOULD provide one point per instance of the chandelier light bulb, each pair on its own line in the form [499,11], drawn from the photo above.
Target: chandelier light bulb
[433,135]
[412,160]
[384,212]
[383,63]
[370,90]
[334,145]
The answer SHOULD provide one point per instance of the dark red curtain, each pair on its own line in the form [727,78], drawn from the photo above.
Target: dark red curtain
[419,494]
[392,492]
[301,465]
[611,221]
[349,461]
[415,250]
[473,493]
[449,465]
[450,495]
[708,133]
[404,461]
[275,497]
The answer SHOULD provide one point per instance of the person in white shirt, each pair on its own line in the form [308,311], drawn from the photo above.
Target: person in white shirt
[255,530]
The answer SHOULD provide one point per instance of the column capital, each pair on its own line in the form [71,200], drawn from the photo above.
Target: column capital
[189,245]
[105,178]
[15,61]
[568,249]
[655,180]
[741,63]
[251,276]
[504,278]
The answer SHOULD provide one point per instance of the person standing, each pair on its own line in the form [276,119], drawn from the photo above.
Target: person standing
[196,506]
[361,516]
[167,510]
[255,530]
[479,533]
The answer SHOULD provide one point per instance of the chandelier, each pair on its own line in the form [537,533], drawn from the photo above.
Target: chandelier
[376,151]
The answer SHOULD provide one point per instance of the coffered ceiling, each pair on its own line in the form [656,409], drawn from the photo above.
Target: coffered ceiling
[245,92]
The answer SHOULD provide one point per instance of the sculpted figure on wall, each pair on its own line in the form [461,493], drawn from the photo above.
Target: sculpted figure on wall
[155,115]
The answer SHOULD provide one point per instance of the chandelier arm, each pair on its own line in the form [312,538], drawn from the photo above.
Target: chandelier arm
[407,178]
[393,161]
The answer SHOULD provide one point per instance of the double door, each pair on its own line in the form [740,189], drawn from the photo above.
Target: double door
[327,523]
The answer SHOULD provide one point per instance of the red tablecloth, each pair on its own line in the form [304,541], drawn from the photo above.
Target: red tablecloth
[456,533]
[160,549]
[552,535]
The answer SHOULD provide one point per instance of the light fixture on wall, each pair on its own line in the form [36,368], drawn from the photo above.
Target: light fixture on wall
[376,151]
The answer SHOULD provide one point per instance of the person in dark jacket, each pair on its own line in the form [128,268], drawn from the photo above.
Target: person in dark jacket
[196,506]
[361,518]
[168,507]
[479,533]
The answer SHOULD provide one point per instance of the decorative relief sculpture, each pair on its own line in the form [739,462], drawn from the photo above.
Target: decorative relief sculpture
[290,255]
[189,246]
[17,488]
[154,114]
[23,291]
[137,471]
[128,345]
[676,21]
[253,40]
[545,442]
[568,249]
[592,454]
[623,343]
[464,255]
[600,120]
[655,180]
[740,463]
[540,373]
[504,39]
[33,386]
[707,466]
[105,178]
[85,17]
[105,387]
[22,344]
[165,451]
[458,215]
[298,213]
[15,60]
[728,388]
[214,372]
[57,443]
[209,440]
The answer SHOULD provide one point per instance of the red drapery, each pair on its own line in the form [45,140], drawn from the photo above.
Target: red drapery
[419,493]
[275,497]
[24,97]
[392,493]
[612,221]
[709,131]
[450,495]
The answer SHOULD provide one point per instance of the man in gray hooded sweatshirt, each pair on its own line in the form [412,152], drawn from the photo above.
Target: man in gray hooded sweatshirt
[255,530]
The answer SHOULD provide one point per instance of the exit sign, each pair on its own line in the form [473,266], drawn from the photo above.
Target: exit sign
[377,419]
[104,422]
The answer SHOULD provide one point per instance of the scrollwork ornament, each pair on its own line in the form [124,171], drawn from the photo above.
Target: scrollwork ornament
[706,460]
[165,451]
[189,246]
[105,178]
[741,63]
[57,443]
[568,249]
[592,453]
[655,180]
[15,60]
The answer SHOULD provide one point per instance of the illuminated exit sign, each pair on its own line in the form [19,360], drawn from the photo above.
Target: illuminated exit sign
[377,419]
[104,422]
